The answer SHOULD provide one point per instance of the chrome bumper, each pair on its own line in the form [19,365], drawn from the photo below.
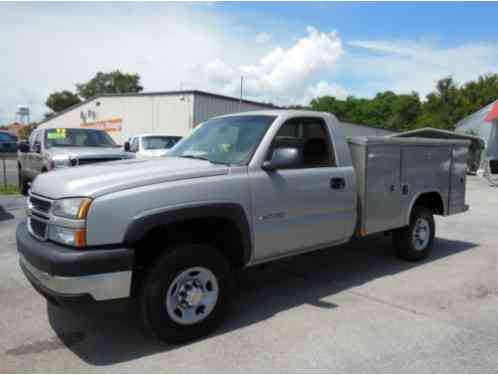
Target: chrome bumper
[101,287]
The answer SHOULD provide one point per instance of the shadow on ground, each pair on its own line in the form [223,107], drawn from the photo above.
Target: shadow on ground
[5,215]
[112,334]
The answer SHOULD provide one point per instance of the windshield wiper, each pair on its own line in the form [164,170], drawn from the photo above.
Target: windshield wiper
[200,157]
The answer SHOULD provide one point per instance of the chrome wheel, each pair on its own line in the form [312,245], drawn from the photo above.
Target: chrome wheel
[421,234]
[192,296]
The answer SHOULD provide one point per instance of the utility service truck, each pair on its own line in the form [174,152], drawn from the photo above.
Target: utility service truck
[240,190]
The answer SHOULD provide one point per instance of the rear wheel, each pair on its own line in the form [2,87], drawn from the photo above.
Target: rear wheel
[415,241]
[185,294]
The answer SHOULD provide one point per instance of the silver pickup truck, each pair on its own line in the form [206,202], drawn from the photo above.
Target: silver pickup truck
[243,189]
[49,149]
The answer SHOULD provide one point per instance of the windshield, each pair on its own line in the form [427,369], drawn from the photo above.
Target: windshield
[229,140]
[157,142]
[74,137]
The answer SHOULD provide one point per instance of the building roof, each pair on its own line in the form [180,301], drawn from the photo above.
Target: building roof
[159,93]
[477,142]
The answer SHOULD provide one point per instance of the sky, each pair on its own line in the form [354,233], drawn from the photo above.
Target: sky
[288,53]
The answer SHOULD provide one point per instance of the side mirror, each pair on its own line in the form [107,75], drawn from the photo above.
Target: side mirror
[283,158]
[24,146]
[127,146]
[37,148]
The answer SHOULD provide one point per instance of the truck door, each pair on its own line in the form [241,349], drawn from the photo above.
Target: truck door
[36,153]
[304,206]
[28,156]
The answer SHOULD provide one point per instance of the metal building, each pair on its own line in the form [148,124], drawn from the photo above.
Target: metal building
[125,115]
[172,113]
[484,123]
[350,130]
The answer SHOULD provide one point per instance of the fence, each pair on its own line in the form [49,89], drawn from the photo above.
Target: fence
[4,156]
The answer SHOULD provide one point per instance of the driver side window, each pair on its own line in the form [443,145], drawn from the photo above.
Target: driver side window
[310,137]
[35,141]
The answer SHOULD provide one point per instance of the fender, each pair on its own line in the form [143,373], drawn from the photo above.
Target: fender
[414,199]
[141,225]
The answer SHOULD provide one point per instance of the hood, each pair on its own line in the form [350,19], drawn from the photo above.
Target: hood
[152,153]
[103,178]
[91,152]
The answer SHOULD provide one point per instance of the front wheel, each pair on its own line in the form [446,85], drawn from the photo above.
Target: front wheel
[185,294]
[23,182]
[415,241]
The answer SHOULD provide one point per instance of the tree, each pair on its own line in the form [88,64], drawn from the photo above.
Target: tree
[443,107]
[60,100]
[25,131]
[114,82]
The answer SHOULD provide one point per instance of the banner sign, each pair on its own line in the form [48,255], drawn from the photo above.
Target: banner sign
[111,125]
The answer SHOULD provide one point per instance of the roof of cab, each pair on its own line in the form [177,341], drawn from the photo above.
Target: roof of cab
[280,112]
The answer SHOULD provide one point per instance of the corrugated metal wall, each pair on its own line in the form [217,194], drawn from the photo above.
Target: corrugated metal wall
[350,130]
[206,107]
[476,125]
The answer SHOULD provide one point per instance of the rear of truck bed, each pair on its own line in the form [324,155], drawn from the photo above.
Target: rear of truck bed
[393,173]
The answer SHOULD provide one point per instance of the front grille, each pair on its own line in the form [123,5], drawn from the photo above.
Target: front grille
[96,160]
[38,228]
[40,204]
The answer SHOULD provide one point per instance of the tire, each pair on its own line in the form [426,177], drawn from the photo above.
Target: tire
[23,182]
[206,294]
[414,246]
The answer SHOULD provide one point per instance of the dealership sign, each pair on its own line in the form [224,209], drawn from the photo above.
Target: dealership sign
[111,125]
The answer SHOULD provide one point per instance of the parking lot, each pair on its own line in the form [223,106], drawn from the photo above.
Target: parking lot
[351,308]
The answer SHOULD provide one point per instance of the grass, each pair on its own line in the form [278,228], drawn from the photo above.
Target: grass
[10,189]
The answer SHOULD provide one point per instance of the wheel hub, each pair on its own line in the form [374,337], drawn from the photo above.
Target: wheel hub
[421,234]
[192,295]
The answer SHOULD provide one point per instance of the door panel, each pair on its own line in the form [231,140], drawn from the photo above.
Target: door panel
[298,209]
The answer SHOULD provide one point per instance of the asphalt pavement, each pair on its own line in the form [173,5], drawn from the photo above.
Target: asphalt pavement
[350,308]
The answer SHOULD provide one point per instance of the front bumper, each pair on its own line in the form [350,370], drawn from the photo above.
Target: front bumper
[62,274]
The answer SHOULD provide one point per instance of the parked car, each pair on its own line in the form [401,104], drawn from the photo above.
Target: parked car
[151,145]
[240,190]
[49,149]
[8,143]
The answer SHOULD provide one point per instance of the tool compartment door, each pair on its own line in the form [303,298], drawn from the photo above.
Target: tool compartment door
[383,209]
[424,169]
[458,175]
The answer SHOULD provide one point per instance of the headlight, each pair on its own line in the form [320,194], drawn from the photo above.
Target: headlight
[71,208]
[67,236]
[60,161]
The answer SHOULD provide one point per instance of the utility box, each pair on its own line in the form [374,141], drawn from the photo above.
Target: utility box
[393,172]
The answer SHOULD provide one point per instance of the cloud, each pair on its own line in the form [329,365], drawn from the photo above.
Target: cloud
[282,74]
[263,37]
[59,45]
[324,88]
[404,66]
